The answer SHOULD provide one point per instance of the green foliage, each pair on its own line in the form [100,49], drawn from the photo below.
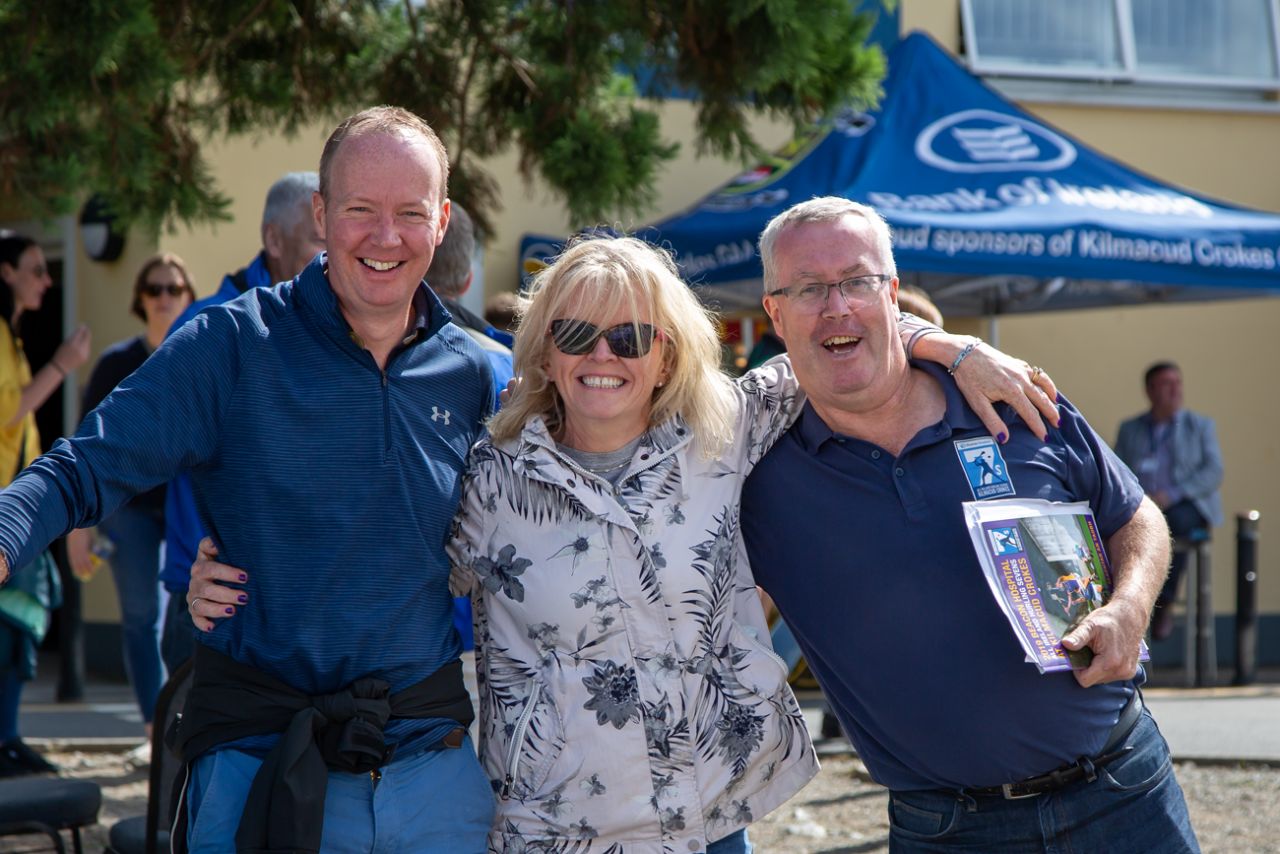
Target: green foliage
[114,96]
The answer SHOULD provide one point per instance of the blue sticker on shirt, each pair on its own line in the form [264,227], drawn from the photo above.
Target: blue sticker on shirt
[984,467]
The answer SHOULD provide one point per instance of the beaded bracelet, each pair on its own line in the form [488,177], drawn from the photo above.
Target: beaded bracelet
[54,364]
[964,354]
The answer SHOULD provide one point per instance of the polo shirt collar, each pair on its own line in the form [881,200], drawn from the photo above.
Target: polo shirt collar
[813,431]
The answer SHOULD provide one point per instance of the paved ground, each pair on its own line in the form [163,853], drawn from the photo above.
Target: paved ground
[1200,724]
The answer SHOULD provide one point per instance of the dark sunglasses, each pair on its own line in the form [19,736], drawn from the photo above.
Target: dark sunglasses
[148,289]
[626,340]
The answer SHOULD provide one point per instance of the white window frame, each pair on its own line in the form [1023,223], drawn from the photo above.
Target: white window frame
[1129,72]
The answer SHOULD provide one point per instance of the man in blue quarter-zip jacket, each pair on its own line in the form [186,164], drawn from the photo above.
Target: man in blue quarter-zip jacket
[289,242]
[326,423]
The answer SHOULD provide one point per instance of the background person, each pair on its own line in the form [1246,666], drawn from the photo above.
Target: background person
[916,300]
[450,277]
[289,241]
[162,290]
[26,599]
[500,310]
[1175,454]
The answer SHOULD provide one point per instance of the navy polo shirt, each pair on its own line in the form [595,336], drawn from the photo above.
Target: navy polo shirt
[869,560]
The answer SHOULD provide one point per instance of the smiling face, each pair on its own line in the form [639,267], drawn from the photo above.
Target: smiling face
[608,400]
[845,357]
[28,280]
[383,218]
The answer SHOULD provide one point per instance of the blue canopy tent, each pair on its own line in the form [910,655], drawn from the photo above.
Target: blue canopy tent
[993,211]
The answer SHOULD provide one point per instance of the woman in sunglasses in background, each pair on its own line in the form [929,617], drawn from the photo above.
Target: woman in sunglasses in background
[130,539]
[630,701]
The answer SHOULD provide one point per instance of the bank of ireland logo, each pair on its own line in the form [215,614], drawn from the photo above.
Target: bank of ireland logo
[987,141]
[984,468]
[535,257]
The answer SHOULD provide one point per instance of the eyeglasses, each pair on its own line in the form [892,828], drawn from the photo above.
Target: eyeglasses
[857,292]
[153,290]
[626,340]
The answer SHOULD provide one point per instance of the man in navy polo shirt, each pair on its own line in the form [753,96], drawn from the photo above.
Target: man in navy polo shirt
[888,602]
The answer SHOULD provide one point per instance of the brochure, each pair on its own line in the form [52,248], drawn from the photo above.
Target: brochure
[1047,569]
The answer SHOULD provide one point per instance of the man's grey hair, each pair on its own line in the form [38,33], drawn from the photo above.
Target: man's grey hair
[289,200]
[823,209]
[452,262]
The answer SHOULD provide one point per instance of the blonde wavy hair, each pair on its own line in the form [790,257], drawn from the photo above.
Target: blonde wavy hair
[596,280]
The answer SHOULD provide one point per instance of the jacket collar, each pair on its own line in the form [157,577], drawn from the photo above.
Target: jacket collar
[316,296]
[535,451]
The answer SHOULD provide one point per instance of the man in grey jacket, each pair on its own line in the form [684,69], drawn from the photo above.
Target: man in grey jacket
[1175,454]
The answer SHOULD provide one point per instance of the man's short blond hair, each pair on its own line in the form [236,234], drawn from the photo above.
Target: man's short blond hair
[822,209]
[383,120]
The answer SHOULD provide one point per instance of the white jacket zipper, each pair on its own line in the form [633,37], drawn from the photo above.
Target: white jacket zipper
[517,741]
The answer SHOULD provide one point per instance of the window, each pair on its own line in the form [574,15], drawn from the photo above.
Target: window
[1231,44]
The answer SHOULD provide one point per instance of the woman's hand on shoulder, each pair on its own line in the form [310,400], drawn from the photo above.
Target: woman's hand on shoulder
[987,376]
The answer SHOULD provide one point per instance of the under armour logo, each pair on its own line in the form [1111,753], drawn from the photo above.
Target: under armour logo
[437,415]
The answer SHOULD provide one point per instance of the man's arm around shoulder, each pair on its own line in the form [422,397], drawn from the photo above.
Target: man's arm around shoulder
[1139,554]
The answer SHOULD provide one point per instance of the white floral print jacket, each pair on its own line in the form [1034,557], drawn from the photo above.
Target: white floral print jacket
[630,701]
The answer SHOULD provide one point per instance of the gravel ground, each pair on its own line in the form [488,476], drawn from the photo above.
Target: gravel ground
[1233,809]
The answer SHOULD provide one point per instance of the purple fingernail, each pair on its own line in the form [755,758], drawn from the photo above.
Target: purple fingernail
[243,578]
[230,610]
[242,598]
[1000,438]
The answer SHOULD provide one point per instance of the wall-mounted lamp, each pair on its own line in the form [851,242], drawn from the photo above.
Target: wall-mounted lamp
[98,231]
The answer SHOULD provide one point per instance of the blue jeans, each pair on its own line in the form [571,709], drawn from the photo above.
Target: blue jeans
[429,801]
[135,566]
[734,843]
[1134,805]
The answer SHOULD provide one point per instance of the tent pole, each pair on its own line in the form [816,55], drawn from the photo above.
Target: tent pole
[748,326]
[993,330]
